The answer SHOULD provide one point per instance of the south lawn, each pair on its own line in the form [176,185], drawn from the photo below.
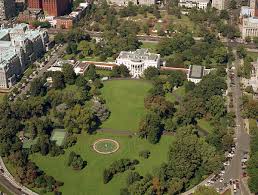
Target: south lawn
[125,100]
[89,180]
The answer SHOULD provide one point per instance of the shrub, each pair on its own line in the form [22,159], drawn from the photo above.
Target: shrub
[144,154]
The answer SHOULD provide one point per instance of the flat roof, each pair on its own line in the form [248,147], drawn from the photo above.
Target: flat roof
[196,71]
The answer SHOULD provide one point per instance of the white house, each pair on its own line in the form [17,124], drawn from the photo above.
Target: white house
[137,61]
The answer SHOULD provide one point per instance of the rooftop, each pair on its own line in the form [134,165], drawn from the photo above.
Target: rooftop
[138,55]
[196,72]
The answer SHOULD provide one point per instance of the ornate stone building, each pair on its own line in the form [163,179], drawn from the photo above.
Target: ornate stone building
[19,46]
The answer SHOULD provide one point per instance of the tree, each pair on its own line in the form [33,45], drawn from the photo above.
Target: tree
[132,177]
[189,86]
[159,105]
[189,153]
[255,40]
[100,110]
[241,51]
[248,39]
[59,38]
[79,118]
[124,71]
[151,72]
[175,186]
[224,15]
[144,154]
[37,87]
[91,72]
[233,4]
[216,106]
[150,127]
[58,80]
[69,74]
[115,71]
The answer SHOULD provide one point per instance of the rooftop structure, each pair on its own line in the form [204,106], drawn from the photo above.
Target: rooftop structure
[195,73]
[200,4]
[220,4]
[19,46]
[136,2]
[137,61]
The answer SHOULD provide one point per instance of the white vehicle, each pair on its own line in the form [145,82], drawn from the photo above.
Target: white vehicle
[235,188]
[226,163]
[230,155]
[221,180]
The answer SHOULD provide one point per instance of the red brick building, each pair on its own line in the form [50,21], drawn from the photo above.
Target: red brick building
[51,7]
[64,22]
[56,7]
[35,4]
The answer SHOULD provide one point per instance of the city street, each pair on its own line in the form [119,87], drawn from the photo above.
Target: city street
[234,170]
[41,71]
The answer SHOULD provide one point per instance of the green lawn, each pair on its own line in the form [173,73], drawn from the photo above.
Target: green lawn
[89,180]
[254,55]
[103,73]
[125,100]
[176,95]
[1,97]
[205,125]
[152,46]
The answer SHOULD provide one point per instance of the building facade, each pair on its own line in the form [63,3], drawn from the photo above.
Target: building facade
[35,4]
[200,4]
[249,27]
[138,61]
[219,4]
[7,9]
[136,2]
[19,46]
[56,7]
[51,7]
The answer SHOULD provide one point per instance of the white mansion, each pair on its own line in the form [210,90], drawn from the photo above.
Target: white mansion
[137,61]
[19,46]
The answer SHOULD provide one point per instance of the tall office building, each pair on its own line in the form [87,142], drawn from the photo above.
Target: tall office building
[35,4]
[51,7]
[7,9]
[219,4]
[56,7]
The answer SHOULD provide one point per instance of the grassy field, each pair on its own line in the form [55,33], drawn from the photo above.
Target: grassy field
[205,125]
[1,97]
[152,46]
[89,180]
[254,55]
[125,100]
[176,95]
[103,73]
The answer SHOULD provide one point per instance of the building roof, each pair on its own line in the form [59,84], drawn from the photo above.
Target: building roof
[138,55]
[3,33]
[196,72]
